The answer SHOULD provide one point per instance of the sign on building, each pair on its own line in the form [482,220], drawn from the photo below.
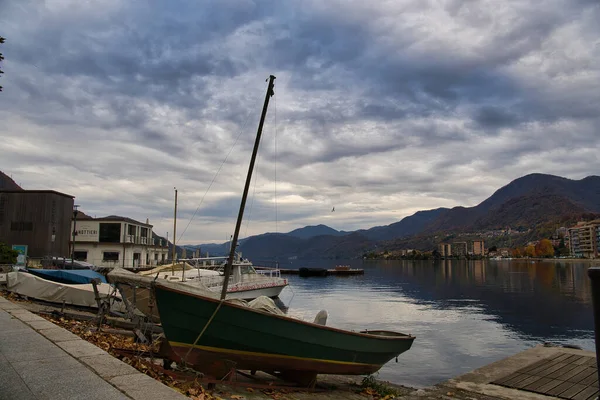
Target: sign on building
[22,257]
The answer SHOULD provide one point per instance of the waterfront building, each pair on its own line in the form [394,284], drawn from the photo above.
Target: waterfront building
[584,239]
[477,248]
[459,248]
[445,249]
[117,241]
[38,219]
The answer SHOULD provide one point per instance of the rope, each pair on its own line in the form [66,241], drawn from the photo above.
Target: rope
[184,359]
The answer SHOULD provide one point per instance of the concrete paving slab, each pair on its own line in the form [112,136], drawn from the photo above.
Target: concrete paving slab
[62,378]
[25,315]
[80,348]
[9,306]
[58,334]
[142,387]
[38,325]
[76,387]
[9,324]
[12,386]
[108,366]
[27,346]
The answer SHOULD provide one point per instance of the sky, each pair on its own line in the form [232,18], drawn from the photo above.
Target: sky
[381,108]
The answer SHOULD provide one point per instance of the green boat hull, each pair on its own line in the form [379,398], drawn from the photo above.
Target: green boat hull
[252,340]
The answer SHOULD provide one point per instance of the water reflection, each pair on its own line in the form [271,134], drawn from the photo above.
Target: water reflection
[464,314]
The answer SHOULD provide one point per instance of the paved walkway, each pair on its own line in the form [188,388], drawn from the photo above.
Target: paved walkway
[39,360]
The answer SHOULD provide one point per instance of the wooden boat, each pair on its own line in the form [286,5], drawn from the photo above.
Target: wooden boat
[254,340]
[214,335]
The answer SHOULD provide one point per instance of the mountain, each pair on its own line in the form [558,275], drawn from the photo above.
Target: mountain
[407,226]
[7,183]
[531,199]
[536,204]
[315,230]
[279,246]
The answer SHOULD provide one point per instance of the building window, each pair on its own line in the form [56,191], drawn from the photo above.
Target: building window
[155,256]
[80,255]
[144,232]
[21,226]
[109,233]
[131,230]
[110,256]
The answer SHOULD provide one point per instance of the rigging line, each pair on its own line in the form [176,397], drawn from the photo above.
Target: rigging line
[216,174]
[253,197]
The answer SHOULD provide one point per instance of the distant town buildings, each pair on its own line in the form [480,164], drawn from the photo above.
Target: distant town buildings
[462,248]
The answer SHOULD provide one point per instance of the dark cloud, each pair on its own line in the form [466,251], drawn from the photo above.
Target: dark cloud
[382,108]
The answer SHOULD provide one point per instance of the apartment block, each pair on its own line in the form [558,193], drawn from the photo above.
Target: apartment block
[584,239]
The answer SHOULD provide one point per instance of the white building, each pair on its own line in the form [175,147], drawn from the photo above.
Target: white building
[117,241]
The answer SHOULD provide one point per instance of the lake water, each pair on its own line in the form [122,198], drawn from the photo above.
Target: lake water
[464,314]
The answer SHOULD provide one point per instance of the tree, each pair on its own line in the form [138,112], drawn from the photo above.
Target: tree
[544,248]
[7,254]
[530,251]
[1,59]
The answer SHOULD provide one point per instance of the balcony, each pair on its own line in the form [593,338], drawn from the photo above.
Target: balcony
[129,239]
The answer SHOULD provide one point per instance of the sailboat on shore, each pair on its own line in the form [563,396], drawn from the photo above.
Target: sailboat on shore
[213,334]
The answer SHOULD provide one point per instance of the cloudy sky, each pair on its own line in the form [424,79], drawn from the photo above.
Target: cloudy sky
[381,108]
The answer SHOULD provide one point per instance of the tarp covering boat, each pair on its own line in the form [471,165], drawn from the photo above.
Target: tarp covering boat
[70,276]
[32,286]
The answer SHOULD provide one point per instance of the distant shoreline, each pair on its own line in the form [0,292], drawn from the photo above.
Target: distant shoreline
[553,259]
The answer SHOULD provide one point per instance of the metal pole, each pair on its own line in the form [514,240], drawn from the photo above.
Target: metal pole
[174,253]
[246,187]
[594,274]
[74,233]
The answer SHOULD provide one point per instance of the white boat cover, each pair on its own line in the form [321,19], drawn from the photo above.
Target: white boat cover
[79,294]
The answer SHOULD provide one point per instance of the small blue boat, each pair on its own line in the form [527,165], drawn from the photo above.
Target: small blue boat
[68,276]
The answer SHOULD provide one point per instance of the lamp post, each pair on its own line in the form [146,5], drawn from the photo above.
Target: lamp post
[75,212]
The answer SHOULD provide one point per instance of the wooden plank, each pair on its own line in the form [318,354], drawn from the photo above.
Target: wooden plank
[534,387]
[563,356]
[507,378]
[525,382]
[542,369]
[583,375]
[590,380]
[577,370]
[585,359]
[550,369]
[514,382]
[585,394]
[591,362]
[535,365]
[559,389]
[561,372]
[548,386]
[572,391]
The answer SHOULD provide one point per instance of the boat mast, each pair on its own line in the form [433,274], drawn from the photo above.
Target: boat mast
[174,253]
[238,224]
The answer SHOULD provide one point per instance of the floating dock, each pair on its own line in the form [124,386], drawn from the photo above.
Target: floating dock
[322,272]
